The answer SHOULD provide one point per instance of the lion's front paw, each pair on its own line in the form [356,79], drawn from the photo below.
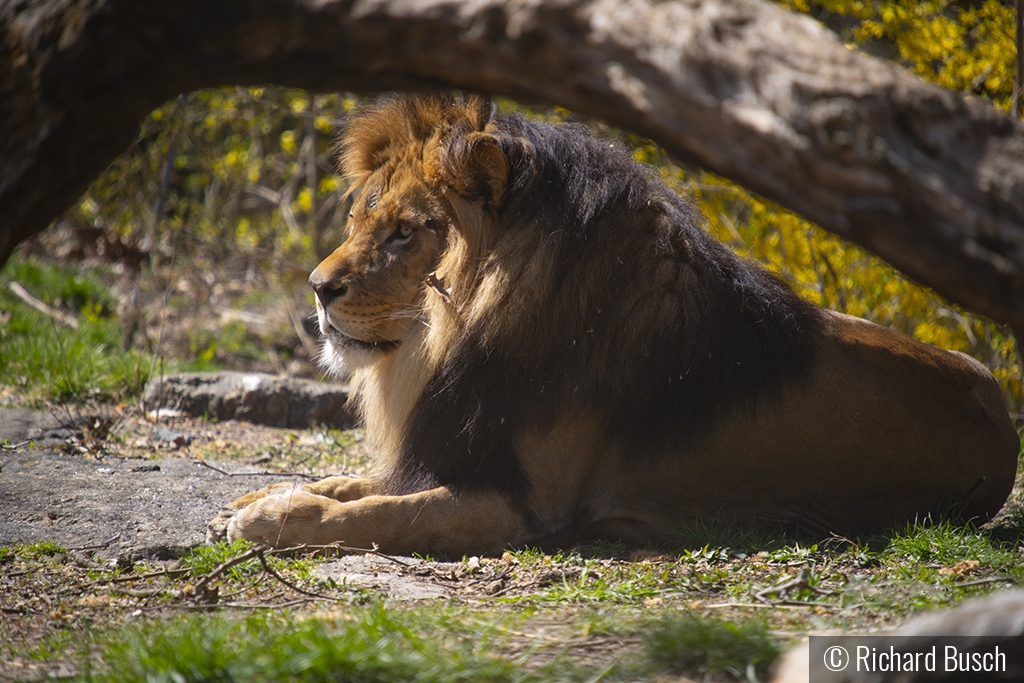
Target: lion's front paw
[280,520]
[217,529]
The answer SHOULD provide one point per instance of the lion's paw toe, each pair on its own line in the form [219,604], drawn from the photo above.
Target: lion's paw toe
[217,529]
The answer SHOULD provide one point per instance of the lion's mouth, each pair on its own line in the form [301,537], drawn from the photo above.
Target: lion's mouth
[342,339]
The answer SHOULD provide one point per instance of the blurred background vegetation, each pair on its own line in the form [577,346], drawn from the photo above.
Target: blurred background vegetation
[191,251]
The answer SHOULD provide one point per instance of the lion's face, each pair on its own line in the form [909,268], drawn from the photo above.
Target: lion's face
[369,291]
[420,163]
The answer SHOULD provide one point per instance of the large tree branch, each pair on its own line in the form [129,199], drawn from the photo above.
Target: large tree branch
[928,179]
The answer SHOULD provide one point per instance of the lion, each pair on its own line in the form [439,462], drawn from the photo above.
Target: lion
[546,346]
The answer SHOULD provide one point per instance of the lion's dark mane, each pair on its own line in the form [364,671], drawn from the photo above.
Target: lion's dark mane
[736,338]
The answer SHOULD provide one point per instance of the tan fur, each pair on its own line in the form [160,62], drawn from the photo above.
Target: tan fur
[881,429]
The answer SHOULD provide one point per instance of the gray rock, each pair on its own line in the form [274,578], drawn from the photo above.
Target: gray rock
[253,397]
[379,574]
[121,508]
[29,425]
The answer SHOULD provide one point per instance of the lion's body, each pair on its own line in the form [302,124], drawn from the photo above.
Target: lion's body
[547,345]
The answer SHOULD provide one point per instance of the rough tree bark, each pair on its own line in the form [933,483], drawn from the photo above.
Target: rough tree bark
[929,180]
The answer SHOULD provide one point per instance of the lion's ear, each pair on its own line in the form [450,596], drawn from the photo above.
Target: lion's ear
[473,165]
[479,109]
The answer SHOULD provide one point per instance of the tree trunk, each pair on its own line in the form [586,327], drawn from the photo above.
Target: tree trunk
[930,180]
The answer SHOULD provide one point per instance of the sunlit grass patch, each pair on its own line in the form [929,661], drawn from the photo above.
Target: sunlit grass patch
[47,360]
[34,551]
[204,559]
[926,565]
[574,579]
[565,616]
[606,585]
[947,544]
[373,645]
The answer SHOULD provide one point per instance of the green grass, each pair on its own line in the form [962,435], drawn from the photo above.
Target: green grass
[231,342]
[205,558]
[374,645]
[433,643]
[33,551]
[580,615]
[44,360]
[61,288]
[710,647]
[946,543]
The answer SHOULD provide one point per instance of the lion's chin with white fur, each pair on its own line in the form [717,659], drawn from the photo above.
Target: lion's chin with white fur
[341,353]
[341,360]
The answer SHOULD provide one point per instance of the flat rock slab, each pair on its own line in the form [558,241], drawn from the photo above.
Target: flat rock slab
[414,579]
[271,400]
[150,508]
[17,426]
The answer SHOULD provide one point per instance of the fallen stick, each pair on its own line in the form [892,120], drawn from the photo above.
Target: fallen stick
[263,473]
[42,307]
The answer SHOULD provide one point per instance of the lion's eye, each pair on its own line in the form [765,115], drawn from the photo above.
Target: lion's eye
[403,233]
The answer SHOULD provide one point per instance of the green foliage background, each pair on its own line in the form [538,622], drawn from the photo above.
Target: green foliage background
[218,173]
[241,178]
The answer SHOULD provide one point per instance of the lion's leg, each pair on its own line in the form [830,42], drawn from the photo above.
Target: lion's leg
[344,489]
[434,521]
[337,488]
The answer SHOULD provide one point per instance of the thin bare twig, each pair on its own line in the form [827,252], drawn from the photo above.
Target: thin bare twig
[121,590]
[169,573]
[774,605]
[338,547]
[268,569]
[252,586]
[379,554]
[99,546]
[266,605]
[990,579]
[263,473]
[224,566]
[24,572]
[799,582]
[42,307]
[259,553]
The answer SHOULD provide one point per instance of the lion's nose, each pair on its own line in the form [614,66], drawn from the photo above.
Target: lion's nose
[327,290]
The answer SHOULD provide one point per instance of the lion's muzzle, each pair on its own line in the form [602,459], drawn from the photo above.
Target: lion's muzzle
[327,290]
